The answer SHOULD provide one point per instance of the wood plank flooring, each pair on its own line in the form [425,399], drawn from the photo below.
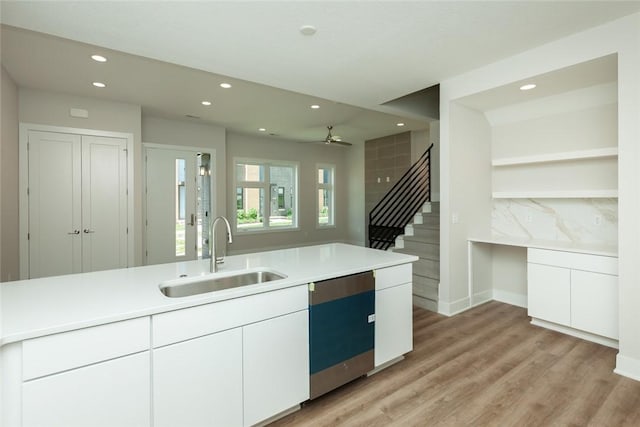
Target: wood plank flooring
[486,367]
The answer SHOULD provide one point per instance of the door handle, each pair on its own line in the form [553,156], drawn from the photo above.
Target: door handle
[193,220]
[87,231]
[74,232]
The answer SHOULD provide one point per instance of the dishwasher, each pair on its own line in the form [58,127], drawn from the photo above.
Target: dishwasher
[341,331]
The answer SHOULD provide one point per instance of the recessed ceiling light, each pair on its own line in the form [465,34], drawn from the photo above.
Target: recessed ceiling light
[98,58]
[262,129]
[225,85]
[99,84]
[315,106]
[400,124]
[527,86]
[207,103]
[308,30]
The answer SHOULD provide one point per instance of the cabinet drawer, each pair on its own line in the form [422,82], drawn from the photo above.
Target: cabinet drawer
[69,350]
[181,325]
[573,260]
[393,276]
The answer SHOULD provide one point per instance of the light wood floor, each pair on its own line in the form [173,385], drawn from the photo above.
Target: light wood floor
[485,367]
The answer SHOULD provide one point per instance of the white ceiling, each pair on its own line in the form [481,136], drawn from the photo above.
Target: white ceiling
[363,54]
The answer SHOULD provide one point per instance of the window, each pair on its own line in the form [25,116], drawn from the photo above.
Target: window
[266,195]
[325,195]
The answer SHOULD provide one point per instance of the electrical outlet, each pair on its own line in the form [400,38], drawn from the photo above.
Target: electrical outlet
[529,218]
[455,218]
[597,220]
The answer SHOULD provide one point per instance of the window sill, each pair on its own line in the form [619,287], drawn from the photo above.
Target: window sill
[247,232]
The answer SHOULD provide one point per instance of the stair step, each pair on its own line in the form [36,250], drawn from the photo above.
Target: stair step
[425,287]
[429,251]
[427,268]
[419,243]
[431,207]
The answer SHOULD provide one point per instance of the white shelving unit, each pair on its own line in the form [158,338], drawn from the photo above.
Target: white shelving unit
[557,157]
[567,194]
[581,174]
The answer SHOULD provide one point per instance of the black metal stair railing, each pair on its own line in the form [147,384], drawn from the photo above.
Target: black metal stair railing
[395,210]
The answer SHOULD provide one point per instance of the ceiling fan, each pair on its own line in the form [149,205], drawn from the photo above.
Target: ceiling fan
[331,140]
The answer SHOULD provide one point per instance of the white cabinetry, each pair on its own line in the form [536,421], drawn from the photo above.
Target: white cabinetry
[112,393]
[394,313]
[275,365]
[199,382]
[575,290]
[96,376]
[235,362]
[549,293]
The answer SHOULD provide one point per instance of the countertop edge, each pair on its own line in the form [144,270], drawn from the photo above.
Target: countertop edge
[194,301]
[585,248]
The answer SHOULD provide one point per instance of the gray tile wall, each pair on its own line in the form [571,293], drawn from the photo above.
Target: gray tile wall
[386,157]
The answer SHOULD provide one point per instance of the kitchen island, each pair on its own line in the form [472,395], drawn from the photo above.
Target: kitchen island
[108,348]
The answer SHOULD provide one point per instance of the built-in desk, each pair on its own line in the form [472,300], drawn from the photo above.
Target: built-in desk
[568,287]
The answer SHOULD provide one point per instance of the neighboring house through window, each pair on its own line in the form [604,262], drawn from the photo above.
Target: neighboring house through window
[266,195]
[325,190]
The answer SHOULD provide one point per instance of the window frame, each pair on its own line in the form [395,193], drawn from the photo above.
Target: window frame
[330,187]
[265,185]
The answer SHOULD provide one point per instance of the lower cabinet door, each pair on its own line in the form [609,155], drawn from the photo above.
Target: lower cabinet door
[594,303]
[199,382]
[276,365]
[394,323]
[549,293]
[112,393]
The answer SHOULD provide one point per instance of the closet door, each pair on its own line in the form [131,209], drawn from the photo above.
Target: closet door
[104,203]
[54,204]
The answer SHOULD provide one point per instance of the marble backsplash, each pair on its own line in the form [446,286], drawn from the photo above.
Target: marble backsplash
[567,220]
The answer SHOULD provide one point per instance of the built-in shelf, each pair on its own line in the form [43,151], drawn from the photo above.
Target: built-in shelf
[562,194]
[557,157]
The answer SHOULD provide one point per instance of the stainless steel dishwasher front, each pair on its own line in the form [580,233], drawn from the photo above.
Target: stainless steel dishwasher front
[341,331]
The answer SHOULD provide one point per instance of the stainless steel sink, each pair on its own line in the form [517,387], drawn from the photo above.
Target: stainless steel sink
[185,289]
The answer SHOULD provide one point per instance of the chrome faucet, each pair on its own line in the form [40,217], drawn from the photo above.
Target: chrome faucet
[214,261]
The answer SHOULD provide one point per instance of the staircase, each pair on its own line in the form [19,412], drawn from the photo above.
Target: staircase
[395,214]
[422,238]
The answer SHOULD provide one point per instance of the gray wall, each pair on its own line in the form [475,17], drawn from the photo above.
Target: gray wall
[48,108]
[9,248]
[307,156]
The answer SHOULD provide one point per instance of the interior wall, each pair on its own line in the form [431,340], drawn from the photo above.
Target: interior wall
[307,156]
[355,170]
[466,193]
[187,133]
[622,37]
[9,222]
[48,108]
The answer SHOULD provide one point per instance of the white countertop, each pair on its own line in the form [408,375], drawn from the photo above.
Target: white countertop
[585,248]
[37,307]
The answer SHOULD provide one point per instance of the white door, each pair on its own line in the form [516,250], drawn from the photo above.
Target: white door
[174,220]
[77,194]
[104,203]
[55,218]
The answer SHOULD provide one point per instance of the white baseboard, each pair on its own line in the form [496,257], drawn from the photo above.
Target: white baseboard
[627,367]
[481,298]
[575,333]
[512,298]
[453,308]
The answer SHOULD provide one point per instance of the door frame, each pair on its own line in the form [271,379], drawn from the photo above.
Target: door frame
[212,187]
[23,180]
